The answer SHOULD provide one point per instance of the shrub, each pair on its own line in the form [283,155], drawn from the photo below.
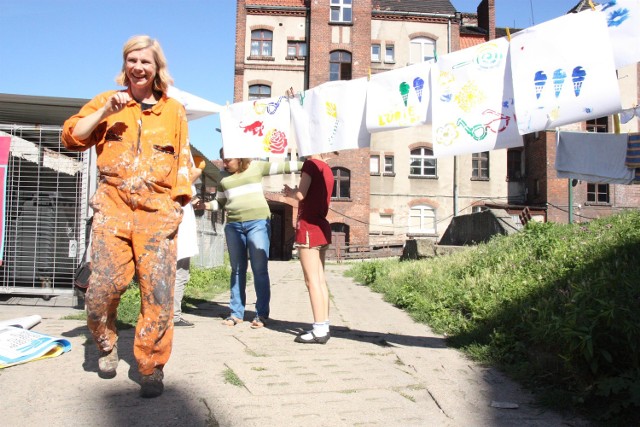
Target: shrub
[554,305]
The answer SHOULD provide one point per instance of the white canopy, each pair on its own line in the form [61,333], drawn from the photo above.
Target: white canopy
[196,107]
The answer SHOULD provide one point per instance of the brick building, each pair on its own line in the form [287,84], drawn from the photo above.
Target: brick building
[396,189]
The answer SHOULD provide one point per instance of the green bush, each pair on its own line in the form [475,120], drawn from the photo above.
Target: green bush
[555,305]
[204,285]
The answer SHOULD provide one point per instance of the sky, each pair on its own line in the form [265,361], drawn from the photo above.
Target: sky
[73,48]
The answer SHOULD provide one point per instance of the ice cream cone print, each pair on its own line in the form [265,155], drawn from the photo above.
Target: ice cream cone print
[404,91]
[558,80]
[418,84]
[540,79]
[578,76]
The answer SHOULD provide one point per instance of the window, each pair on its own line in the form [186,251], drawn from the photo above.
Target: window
[514,165]
[342,183]
[341,10]
[388,165]
[374,165]
[422,49]
[340,65]
[296,49]
[598,193]
[386,219]
[423,163]
[261,41]
[422,219]
[375,53]
[480,165]
[259,92]
[600,125]
[389,54]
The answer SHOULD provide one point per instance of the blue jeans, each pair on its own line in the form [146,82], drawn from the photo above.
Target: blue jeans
[249,238]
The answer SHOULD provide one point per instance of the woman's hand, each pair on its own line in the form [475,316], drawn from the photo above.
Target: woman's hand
[289,192]
[87,125]
[116,102]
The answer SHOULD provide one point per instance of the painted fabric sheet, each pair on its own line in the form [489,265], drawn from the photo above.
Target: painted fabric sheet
[563,72]
[623,20]
[399,98]
[259,128]
[473,107]
[593,157]
[5,144]
[330,117]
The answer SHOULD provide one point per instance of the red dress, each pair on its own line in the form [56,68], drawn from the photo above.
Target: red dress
[313,209]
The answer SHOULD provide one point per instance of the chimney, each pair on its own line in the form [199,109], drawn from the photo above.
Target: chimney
[487,17]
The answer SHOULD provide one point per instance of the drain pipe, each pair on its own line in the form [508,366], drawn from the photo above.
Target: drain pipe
[455,157]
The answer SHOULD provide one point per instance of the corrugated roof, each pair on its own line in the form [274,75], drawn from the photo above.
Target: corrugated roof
[53,111]
[421,6]
[279,3]
[581,5]
[38,110]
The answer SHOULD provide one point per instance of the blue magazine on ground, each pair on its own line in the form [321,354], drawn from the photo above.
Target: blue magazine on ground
[19,345]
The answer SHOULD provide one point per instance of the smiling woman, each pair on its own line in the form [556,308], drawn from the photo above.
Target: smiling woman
[141,139]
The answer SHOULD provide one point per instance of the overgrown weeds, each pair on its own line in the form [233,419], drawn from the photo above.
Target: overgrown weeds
[557,306]
[204,284]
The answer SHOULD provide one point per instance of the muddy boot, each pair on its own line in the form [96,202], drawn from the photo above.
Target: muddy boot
[151,385]
[108,362]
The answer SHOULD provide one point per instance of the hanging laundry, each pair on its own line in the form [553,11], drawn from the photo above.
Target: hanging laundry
[629,113]
[593,157]
[331,117]
[633,151]
[623,20]
[563,72]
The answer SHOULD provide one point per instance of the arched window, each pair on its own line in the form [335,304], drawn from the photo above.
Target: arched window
[423,163]
[340,65]
[422,219]
[261,42]
[422,49]
[259,91]
[341,184]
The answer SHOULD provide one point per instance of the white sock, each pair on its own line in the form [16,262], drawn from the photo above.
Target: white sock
[321,329]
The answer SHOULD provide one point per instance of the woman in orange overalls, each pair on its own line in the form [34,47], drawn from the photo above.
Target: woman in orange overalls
[141,139]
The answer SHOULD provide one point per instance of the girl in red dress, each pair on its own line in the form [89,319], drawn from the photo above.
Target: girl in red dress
[313,237]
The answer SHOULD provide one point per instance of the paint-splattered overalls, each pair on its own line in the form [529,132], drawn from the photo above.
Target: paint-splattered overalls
[143,180]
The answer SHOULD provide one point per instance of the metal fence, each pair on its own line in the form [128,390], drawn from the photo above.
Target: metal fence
[44,228]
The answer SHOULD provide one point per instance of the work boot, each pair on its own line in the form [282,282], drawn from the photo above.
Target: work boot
[151,385]
[108,362]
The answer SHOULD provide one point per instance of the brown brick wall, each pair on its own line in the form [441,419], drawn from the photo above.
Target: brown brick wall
[241,33]
[554,191]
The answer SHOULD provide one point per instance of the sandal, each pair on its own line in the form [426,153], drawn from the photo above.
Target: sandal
[258,322]
[314,339]
[231,321]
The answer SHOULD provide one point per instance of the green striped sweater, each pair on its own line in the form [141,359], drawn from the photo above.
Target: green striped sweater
[241,194]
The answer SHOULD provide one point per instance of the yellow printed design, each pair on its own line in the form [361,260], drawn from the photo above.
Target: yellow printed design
[332,110]
[447,134]
[275,142]
[470,96]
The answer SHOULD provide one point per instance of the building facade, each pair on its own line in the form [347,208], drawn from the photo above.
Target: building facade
[396,189]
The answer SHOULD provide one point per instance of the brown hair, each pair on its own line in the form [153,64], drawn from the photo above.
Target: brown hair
[244,162]
[163,79]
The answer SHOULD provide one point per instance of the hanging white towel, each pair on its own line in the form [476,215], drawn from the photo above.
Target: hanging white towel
[593,157]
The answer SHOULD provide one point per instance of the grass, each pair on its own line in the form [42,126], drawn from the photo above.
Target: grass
[204,285]
[555,306]
[232,378]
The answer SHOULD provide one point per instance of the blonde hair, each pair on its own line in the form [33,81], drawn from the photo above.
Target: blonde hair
[163,79]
